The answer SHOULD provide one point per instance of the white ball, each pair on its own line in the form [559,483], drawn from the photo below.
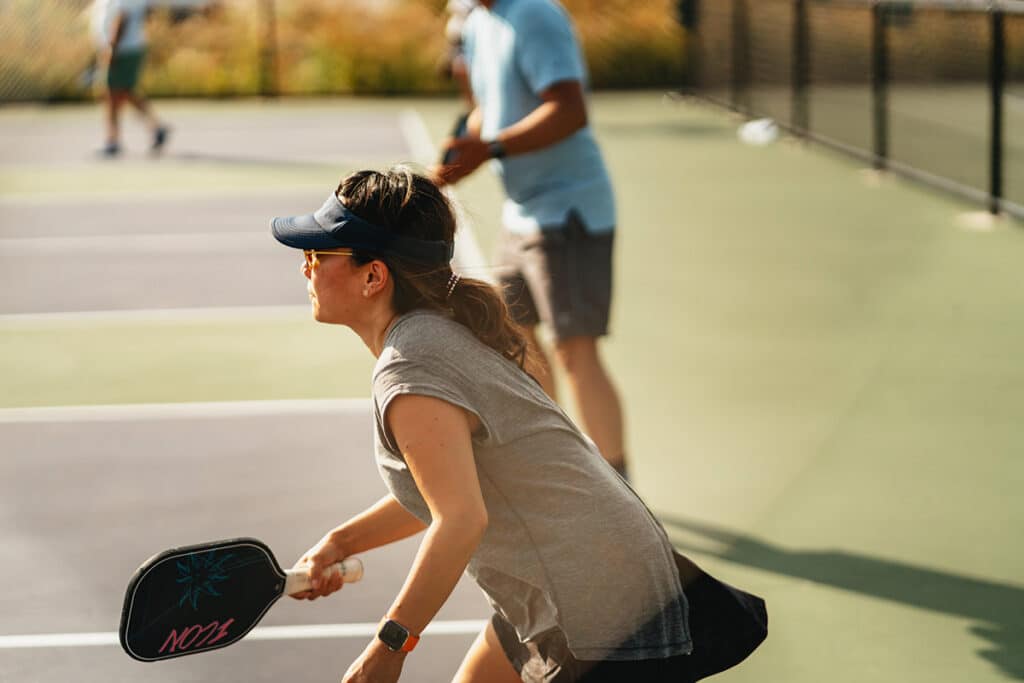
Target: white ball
[758,132]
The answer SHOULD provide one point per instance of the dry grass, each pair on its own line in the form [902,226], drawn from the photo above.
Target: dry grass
[630,44]
[323,47]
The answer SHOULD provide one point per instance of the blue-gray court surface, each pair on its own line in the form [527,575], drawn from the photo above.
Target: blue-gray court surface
[820,368]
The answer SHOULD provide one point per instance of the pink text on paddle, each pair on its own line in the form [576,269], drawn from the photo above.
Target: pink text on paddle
[196,636]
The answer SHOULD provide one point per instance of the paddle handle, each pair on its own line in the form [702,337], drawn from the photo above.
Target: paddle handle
[297,581]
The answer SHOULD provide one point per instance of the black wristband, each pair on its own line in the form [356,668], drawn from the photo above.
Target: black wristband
[496,150]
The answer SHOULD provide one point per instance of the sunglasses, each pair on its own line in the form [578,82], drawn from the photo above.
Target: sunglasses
[311,255]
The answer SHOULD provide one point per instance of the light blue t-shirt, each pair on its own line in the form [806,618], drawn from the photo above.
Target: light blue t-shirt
[516,50]
[104,16]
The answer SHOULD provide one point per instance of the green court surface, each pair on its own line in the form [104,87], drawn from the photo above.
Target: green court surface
[820,368]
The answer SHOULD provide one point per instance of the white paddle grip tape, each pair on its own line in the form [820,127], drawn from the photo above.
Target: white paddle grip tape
[297,581]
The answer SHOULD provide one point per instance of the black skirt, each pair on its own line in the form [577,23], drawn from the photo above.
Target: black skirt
[726,626]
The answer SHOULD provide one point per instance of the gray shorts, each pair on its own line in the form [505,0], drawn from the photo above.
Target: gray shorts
[561,277]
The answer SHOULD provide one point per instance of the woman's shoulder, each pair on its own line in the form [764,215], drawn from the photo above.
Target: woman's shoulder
[425,329]
[425,335]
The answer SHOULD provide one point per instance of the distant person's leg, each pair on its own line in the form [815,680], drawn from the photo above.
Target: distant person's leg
[122,82]
[156,127]
[122,73]
[570,278]
[595,396]
[516,292]
[112,101]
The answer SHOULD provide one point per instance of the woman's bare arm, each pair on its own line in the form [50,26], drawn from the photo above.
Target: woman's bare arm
[435,439]
[384,522]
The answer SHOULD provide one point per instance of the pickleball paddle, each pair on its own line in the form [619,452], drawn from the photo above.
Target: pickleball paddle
[204,597]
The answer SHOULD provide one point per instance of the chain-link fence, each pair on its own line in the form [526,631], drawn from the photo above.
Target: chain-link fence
[45,51]
[204,48]
[929,88]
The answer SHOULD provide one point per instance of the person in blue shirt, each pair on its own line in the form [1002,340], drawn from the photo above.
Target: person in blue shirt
[528,78]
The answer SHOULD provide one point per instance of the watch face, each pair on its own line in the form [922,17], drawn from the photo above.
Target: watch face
[393,635]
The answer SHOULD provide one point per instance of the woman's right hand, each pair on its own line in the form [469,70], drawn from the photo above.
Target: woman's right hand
[318,562]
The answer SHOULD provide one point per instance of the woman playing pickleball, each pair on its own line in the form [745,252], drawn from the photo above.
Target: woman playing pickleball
[581,576]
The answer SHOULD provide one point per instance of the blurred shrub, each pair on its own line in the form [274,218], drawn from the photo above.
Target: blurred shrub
[214,53]
[630,44]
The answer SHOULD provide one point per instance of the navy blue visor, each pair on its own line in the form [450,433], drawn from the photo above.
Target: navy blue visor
[333,226]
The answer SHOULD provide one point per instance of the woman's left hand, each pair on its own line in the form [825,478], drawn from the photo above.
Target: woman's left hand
[377,664]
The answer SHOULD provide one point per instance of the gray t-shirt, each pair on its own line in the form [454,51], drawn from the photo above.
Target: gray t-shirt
[569,545]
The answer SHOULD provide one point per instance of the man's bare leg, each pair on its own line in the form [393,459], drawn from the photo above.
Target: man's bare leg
[142,106]
[112,108]
[596,397]
[156,127]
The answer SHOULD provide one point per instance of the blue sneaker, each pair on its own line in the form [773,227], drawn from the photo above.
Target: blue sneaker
[159,138]
[110,150]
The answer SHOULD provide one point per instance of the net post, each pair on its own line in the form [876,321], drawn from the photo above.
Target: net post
[268,50]
[880,82]
[997,80]
[801,68]
[688,14]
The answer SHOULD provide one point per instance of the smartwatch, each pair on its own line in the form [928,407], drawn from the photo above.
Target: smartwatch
[496,150]
[397,637]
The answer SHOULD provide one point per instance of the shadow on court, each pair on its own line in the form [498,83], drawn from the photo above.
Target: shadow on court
[672,129]
[997,606]
[247,160]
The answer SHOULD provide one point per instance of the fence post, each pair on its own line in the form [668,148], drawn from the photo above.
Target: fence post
[801,67]
[880,82]
[689,13]
[997,80]
[268,50]
[740,57]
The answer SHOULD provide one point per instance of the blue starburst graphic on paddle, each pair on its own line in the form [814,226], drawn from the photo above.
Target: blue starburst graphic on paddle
[199,575]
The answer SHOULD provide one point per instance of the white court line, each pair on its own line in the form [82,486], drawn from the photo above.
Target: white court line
[468,255]
[174,411]
[49,198]
[171,316]
[308,632]
[202,242]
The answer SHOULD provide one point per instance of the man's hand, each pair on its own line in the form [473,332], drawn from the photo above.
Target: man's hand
[377,664]
[463,156]
[104,57]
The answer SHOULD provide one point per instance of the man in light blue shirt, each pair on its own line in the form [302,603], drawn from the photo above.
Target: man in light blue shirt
[528,77]
[118,28]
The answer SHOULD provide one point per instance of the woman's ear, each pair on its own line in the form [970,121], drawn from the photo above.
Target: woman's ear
[377,277]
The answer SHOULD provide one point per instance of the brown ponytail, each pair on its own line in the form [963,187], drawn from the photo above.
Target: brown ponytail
[410,204]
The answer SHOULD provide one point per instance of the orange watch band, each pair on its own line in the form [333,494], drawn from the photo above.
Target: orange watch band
[410,643]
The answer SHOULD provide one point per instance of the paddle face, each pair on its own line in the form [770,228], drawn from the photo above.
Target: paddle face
[460,129]
[198,598]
